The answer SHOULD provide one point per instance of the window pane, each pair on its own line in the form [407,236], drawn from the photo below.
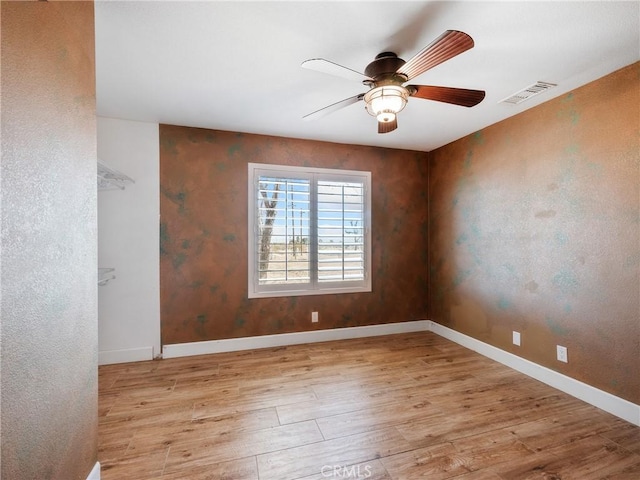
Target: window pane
[283,230]
[309,231]
[340,231]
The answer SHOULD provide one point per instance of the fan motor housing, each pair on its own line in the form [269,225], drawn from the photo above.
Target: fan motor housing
[384,67]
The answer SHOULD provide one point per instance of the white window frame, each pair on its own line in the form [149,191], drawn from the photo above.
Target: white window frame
[255,290]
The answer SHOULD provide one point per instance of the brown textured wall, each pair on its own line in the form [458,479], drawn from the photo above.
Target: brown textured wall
[534,227]
[48,302]
[203,258]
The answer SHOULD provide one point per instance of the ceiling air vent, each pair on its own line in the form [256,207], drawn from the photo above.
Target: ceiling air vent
[528,92]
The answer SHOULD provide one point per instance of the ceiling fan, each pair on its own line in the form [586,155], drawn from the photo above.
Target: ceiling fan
[387,73]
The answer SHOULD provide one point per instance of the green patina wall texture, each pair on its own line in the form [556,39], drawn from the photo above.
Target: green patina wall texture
[203,235]
[535,227]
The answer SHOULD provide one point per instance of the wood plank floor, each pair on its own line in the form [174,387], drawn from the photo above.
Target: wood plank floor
[395,407]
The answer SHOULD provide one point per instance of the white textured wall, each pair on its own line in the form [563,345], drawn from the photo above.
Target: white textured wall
[128,240]
[49,385]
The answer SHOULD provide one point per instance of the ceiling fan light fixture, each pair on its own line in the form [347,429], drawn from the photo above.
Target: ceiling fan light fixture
[386,101]
[386,117]
[387,73]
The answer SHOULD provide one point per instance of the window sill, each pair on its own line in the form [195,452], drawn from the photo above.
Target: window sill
[300,293]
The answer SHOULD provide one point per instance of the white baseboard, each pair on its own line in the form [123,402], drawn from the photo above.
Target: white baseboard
[265,341]
[95,472]
[141,354]
[605,401]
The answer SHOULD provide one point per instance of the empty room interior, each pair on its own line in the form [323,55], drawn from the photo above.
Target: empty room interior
[302,240]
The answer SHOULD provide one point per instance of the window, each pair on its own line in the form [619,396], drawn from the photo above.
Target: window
[309,231]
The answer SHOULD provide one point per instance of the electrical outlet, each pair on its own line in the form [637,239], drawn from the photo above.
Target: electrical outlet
[314,317]
[516,338]
[562,353]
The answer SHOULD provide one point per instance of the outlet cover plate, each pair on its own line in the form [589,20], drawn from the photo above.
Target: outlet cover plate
[314,317]
[562,354]
[516,338]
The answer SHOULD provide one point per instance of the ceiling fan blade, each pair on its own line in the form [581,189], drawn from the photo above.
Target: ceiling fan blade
[332,68]
[456,96]
[333,107]
[446,46]
[386,127]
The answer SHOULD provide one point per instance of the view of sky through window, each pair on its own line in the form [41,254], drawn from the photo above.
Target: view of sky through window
[302,224]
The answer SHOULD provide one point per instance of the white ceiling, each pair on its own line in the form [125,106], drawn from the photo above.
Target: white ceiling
[235,65]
